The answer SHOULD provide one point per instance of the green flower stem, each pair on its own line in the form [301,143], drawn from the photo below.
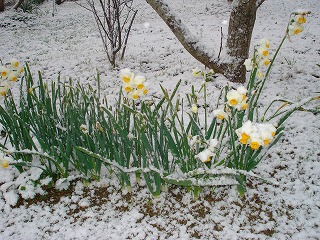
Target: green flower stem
[205,110]
[233,146]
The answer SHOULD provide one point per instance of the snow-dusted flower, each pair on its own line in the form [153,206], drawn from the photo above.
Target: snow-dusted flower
[84,128]
[295,28]
[244,132]
[266,136]
[4,88]
[139,82]
[194,108]
[256,134]
[14,63]
[4,160]
[243,105]
[255,141]
[197,73]
[205,155]
[4,72]
[242,90]
[263,51]
[134,95]
[260,74]
[4,163]
[126,75]
[212,144]
[237,98]
[220,114]
[234,97]
[300,18]
[13,76]
[265,42]
[264,61]
[127,87]
[248,63]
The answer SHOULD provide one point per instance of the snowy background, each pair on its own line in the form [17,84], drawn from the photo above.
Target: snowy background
[68,43]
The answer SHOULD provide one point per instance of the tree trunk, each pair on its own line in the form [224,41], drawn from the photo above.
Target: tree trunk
[240,29]
[1,5]
[241,24]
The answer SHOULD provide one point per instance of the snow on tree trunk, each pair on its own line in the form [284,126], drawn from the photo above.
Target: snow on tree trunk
[188,40]
[241,24]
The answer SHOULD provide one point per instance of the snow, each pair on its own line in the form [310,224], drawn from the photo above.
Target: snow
[68,43]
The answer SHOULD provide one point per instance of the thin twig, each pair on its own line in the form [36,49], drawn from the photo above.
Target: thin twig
[221,35]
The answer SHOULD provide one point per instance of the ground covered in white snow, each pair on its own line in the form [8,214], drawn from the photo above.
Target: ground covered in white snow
[68,43]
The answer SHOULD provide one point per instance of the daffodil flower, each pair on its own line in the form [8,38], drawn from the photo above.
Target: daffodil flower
[264,61]
[194,108]
[127,87]
[126,75]
[197,73]
[139,82]
[4,88]
[13,77]
[248,63]
[265,42]
[255,141]
[243,91]
[300,18]
[234,97]
[4,72]
[220,114]
[14,63]
[134,95]
[84,128]
[295,28]
[263,51]
[244,132]
[260,74]
[243,105]
[4,161]
[205,155]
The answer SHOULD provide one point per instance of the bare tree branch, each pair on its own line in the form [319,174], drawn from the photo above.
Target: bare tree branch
[241,23]
[186,38]
[259,3]
[114,19]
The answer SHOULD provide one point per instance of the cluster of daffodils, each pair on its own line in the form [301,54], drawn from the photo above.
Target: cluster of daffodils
[237,99]
[261,59]
[134,86]
[256,134]
[296,24]
[207,154]
[9,73]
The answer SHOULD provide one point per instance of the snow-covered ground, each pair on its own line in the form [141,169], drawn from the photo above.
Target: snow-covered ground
[68,43]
